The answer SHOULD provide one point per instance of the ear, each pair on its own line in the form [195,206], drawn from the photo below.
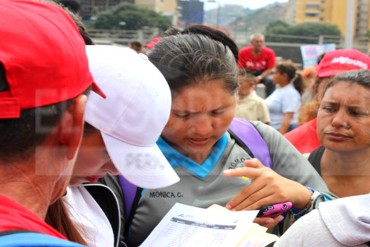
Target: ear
[71,126]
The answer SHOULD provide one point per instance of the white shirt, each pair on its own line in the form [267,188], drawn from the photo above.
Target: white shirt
[282,100]
[88,217]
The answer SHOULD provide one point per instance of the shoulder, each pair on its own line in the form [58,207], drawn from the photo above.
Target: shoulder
[304,138]
[269,51]
[349,215]
[245,49]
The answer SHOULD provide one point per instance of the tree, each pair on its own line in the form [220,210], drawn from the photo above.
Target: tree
[306,33]
[276,28]
[130,17]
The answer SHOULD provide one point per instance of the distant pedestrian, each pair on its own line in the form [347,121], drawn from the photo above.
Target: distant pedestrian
[285,101]
[259,60]
[136,46]
[250,106]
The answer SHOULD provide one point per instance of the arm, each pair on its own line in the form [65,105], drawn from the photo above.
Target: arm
[265,73]
[285,123]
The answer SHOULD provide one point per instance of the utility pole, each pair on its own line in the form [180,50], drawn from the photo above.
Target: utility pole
[348,42]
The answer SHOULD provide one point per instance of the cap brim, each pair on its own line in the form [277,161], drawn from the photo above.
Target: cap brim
[145,167]
[97,90]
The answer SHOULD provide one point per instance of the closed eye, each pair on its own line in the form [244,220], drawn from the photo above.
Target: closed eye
[218,112]
[182,115]
[329,109]
[357,112]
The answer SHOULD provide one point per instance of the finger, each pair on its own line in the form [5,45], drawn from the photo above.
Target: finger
[269,222]
[241,200]
[258,199]
[248,172]
[254,163]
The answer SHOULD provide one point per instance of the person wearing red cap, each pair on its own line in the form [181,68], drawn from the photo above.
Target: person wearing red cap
[44,76]
[305,138]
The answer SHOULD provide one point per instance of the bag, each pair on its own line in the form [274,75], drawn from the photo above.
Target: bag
[244,133]
[248,137]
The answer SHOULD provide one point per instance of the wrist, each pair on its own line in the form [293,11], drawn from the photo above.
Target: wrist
[315,195]
[259,77]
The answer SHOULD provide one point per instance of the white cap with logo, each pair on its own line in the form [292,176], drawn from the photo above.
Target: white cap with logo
[133,114]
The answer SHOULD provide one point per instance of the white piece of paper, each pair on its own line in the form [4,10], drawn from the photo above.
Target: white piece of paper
[188,226]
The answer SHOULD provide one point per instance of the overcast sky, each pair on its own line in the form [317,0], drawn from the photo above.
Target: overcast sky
[253,4]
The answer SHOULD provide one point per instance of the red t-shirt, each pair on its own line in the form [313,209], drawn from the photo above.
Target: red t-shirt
[304,138]
[265,60]
[14,216]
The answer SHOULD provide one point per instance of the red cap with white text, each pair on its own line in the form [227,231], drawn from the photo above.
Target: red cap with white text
[337,61]
[43,55]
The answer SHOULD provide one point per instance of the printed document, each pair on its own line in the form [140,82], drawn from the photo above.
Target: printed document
[188,226]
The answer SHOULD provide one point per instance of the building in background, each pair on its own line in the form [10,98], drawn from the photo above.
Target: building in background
[168,8]
[90,8]
[192,12]
[335,12]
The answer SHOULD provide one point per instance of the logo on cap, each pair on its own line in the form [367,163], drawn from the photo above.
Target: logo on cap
[347,60]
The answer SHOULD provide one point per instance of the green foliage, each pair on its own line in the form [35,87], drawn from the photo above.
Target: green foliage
[130,17]
[306,33]
[368,34]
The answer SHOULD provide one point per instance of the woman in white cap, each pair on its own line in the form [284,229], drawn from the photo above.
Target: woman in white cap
[120,137]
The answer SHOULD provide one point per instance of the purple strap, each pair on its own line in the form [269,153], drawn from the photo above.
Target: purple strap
[252,139]
[129,193]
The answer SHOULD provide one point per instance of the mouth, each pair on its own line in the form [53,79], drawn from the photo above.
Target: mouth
[199,141]
[93,179]
[337,136]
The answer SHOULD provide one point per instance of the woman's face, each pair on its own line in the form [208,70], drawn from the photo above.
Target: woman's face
[200,115]
[278,78]
[93,161]
[344,118]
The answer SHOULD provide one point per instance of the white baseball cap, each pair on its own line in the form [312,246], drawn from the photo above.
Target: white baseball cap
[133,114]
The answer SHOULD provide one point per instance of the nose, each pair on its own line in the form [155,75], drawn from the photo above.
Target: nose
[111,168]
[201,125]
[340,119]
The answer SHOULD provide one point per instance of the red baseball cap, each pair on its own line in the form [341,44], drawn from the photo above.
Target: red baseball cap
[342,60]
[152,42]
[43,55]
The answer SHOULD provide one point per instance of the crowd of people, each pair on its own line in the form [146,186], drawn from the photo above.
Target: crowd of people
[92,136]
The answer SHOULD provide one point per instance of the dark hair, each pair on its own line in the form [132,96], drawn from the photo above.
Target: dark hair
[320,57]
[81,26]
[71,5]
[58,217]
[291,71]
[188,59]
[360,77]
[214,34]
[171,31]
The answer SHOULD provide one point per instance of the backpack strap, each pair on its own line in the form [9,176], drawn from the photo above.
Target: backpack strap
[131,196]
[244,132]
[108,202]
[129,192]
